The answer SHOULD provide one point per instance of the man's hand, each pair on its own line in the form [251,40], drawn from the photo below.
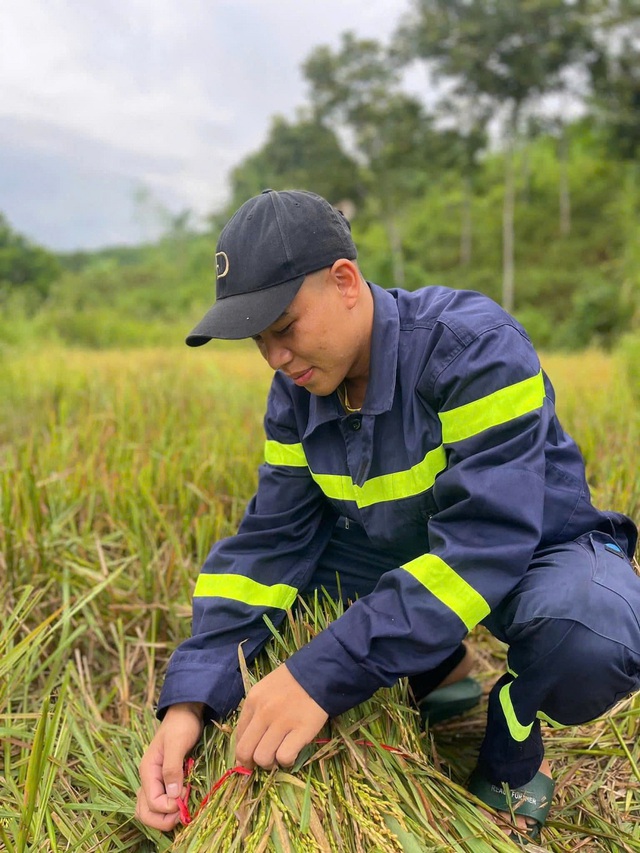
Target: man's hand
[278,719]
[161,766]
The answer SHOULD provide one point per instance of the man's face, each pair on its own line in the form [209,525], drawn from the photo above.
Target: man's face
[316,341]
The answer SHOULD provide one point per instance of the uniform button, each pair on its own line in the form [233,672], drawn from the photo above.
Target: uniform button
[356,423]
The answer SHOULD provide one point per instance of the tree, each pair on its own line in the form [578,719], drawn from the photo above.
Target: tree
[554,128]
[465,142]
[615,75]
[512,54]
[356,91]
[305,154]
[24,267]
[616,85]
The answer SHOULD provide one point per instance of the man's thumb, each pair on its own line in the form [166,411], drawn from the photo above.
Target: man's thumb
[172,774]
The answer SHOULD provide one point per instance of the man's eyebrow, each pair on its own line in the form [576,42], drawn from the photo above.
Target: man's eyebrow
[284,314]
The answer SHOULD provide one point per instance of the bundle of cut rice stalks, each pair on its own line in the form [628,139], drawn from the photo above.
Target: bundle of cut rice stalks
[369,783]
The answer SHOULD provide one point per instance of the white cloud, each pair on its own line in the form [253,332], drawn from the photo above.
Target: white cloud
[189,85]
[100,92]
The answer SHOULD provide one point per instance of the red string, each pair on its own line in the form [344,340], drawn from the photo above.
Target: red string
[388,748]
[183,806]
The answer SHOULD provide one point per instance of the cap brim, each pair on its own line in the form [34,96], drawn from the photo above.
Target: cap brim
[244,315]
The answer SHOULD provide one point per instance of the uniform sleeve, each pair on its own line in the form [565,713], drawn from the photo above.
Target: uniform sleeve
[494,414]
[257,572]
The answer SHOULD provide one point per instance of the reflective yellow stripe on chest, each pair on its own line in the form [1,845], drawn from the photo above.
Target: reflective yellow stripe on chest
[458,424]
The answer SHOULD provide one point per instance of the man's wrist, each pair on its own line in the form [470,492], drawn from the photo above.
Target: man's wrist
[196,708]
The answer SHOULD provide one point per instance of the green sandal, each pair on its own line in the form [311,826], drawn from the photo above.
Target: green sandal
[443,703]
[531,800]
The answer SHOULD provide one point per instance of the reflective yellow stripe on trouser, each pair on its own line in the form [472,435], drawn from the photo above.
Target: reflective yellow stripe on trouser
[447,586]
[541,714]
[517,731]
[246,590]
[494,409]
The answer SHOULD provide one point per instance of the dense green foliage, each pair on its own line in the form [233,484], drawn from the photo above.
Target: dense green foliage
[573,289]
[26,271]
[300,154]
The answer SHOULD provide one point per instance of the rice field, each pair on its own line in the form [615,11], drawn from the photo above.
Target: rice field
[117,471]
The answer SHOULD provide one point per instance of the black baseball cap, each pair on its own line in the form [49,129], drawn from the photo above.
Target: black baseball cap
[263,255]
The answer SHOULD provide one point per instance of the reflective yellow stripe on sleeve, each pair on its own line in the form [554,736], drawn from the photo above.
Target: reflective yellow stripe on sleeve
[246,590]
[452,590]
[386,487]
[292,455]
[498,408]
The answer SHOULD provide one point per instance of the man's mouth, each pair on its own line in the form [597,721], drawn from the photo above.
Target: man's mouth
[303,377]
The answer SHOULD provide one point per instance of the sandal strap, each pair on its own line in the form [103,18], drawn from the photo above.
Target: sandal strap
[531,800]
[450,701]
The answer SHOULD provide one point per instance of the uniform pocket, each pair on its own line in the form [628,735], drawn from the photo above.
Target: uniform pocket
[620,604]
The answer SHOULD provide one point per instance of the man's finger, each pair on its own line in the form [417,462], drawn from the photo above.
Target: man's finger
[246,715]
[154,819]
[290,747]
[177,745]
[264,755]
[153,785]
[248,740]
[173,766]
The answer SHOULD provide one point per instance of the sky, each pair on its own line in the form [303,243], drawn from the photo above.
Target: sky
[107,102]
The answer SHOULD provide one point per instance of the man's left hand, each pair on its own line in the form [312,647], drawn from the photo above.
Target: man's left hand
[278,719]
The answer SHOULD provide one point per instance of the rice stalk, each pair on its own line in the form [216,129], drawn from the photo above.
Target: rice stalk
[368,776]
[117,472]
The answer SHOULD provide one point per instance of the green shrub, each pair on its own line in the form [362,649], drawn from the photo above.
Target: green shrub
[629,352]
[538,326]
[102,328]
[599,314]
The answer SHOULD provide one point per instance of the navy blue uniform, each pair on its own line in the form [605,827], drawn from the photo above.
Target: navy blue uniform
[461,488]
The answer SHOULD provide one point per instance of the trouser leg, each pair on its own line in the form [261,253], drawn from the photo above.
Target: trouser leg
[349,568]
[574,651]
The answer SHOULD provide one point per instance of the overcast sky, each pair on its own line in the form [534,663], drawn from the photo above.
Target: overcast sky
[101,97]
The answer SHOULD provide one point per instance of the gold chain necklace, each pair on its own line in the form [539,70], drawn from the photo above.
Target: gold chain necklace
[345,400]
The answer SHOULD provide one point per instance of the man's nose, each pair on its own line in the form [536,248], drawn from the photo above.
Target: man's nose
[277,355]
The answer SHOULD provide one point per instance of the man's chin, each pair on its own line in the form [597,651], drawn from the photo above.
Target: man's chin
[322,389]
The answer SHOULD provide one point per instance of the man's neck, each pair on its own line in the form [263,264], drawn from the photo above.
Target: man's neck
[355,384]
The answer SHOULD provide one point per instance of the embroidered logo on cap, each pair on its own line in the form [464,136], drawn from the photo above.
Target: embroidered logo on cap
[222,264]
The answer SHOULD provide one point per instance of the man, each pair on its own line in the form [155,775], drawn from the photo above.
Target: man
[412,447]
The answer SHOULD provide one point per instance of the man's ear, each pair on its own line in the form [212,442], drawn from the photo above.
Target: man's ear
[347,277]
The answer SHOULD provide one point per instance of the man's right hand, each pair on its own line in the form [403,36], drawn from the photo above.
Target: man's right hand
[161,771]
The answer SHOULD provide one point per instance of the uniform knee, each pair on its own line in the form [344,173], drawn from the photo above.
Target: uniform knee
[591,674]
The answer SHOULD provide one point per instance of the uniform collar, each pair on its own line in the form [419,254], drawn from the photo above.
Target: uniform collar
[382,373]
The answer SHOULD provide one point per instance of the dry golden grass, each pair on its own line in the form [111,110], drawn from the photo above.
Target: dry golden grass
[117,471]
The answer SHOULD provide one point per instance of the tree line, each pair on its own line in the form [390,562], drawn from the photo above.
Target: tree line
[515,173]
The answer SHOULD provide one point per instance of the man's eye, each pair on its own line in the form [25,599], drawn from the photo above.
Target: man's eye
[284,330]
